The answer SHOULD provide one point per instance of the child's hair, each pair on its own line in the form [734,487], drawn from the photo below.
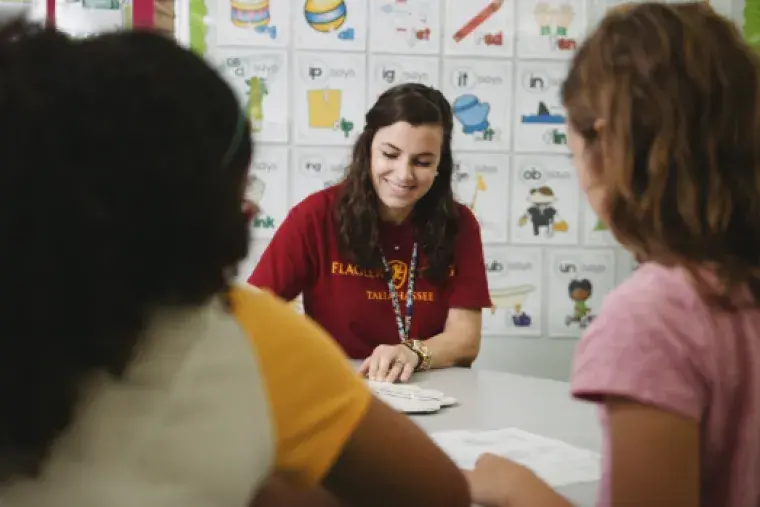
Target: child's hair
[123,163]
[666,99]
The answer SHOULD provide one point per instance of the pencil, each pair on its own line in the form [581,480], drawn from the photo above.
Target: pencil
[478,20]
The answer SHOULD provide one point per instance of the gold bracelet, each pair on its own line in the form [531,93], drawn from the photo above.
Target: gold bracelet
[419,348]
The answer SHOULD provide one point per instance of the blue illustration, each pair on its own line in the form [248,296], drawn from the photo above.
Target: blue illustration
[543,117]
[471,113]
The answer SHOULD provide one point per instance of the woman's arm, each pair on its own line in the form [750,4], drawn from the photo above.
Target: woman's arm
[459,343]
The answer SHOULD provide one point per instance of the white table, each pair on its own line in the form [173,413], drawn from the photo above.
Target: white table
[493,400]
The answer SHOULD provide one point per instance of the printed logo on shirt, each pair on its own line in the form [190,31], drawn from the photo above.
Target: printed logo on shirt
[399,276]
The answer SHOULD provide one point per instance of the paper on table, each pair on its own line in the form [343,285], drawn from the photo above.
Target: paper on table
[556,462]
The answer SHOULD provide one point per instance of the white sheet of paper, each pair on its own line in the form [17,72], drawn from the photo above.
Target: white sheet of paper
[556,462]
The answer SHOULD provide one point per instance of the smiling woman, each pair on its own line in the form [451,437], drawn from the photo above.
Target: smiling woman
[387,262]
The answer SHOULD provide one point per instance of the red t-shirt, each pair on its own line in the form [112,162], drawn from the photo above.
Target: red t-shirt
[354,305]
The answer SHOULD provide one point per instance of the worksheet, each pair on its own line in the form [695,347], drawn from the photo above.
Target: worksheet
[481,182]
[267,187]
[550,29]
[406,27]
[331,25]
[515,279]
[545,201]
[554,461]
[540,123]
[595,231]
[316,169]
[260,80]
[264,23]
[578,282]
[480,92]
[387,71]
[480,28]
[330,98]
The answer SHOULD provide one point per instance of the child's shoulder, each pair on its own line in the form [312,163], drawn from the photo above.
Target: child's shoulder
[656,286]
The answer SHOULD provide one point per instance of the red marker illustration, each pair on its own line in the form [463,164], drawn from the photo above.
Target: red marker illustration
[478,19]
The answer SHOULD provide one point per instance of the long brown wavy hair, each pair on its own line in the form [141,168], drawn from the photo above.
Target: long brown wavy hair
[666,100]
[434,215]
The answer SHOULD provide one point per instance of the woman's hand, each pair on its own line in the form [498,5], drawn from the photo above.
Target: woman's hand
[390,363]
[498,482]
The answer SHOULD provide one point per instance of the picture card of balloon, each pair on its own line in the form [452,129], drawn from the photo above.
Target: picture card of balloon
[263,23]
[331,24]
[330,98]
[406,26]
[480,93]
[545,203]
[578,282]
[550,29]
[480,27]
[515,281]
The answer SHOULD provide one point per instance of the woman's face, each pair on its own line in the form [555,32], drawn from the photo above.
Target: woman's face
[404,165]
[588,176]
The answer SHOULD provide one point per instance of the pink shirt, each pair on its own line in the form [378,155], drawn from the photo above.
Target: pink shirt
[655,341]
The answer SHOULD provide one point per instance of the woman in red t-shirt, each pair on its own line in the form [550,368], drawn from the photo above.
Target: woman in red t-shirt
[387,261]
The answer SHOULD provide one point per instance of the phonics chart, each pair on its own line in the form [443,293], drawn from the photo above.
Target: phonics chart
[307,71]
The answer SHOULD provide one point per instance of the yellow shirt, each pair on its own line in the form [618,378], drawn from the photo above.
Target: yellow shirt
[211,404]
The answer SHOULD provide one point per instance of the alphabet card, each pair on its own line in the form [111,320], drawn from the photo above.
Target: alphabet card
[481,182]
[267,187]
[540,122]
[331,24]
[330,98]
[578,282]
[387,71]
[515,278]
[595,231]
[550,29]
[317,169]
[480,96]
[480,27]
[406,27]
[545,201]
[251,22]
[260,80]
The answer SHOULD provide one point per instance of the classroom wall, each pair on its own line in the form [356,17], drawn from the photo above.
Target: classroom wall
[307,87]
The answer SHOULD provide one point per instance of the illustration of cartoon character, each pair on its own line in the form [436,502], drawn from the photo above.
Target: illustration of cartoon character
[560,18]
[542,213]
[254,106]
[580,291]
[473,115]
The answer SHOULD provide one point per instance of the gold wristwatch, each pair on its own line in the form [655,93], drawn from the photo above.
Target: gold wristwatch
[423,353]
